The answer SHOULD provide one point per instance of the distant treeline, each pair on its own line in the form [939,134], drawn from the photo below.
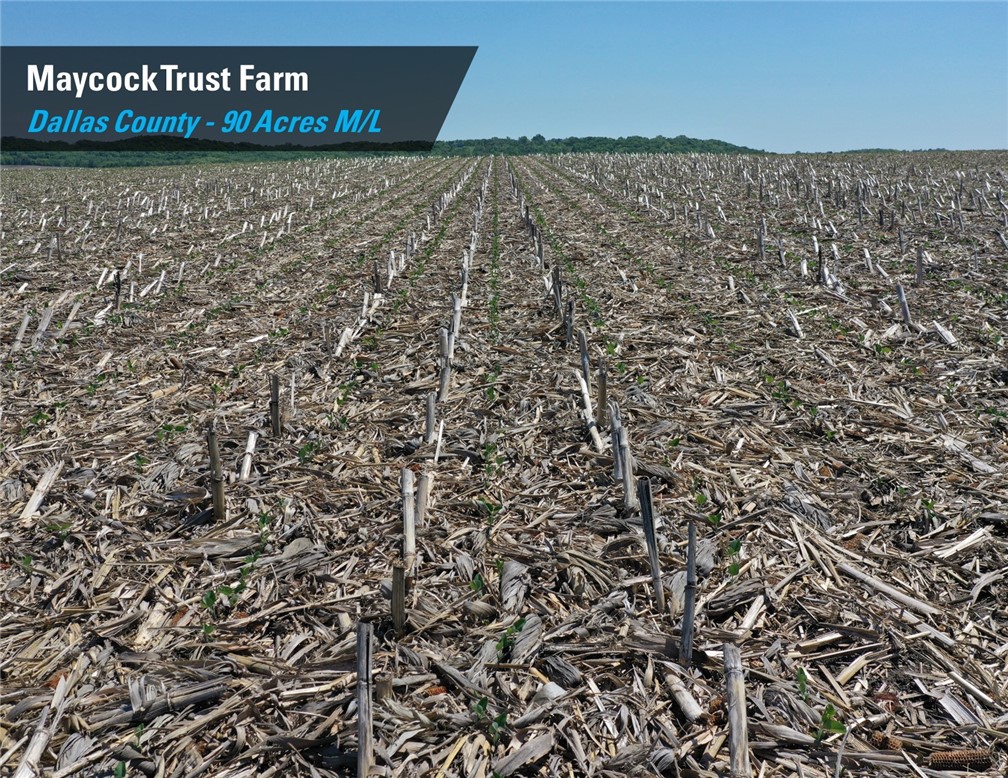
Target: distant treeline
[61,157]
[633,144]
[146,158]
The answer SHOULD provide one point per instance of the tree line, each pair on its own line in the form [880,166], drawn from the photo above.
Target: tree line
[93,155]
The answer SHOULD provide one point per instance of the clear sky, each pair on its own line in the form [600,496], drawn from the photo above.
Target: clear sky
[781,76]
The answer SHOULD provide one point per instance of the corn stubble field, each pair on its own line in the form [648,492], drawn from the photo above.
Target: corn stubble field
[428,560]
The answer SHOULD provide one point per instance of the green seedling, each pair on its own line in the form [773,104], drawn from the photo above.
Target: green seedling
[829,724]
[490,391]
[496,726]
[40,419]
[492,510]
[216,600]
[60,529]
[494,314]
[307,452]
[492,460]
[167,431]
[803,684]
[506,641]
[734,549]
[92,388]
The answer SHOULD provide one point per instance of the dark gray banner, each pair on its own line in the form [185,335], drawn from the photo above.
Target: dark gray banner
[240,98]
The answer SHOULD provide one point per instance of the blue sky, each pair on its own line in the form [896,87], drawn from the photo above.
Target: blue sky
[781,76]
